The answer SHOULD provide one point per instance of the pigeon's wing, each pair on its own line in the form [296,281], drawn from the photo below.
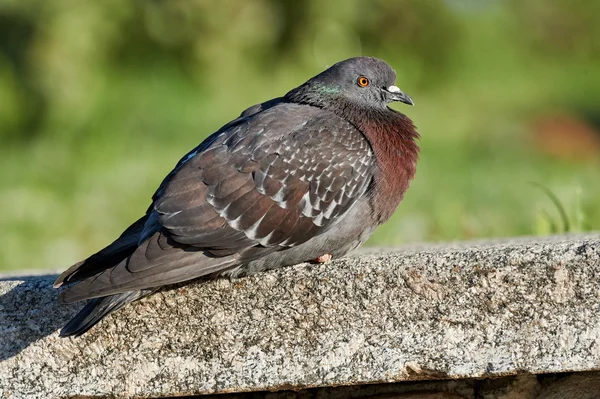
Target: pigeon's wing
[276,181]
[127,243]
[269,183]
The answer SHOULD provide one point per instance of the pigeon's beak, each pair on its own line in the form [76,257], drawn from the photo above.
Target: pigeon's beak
[395,94]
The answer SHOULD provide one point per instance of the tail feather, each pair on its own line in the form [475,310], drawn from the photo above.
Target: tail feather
[96,309]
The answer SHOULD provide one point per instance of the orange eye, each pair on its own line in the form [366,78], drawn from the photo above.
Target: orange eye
[362,81]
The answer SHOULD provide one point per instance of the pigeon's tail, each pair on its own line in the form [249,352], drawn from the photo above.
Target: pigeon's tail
[96,309]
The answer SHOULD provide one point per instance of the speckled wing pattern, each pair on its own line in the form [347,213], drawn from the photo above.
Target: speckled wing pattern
[250,188]
[269,182]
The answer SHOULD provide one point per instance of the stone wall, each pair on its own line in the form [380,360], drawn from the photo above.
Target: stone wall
[519,318]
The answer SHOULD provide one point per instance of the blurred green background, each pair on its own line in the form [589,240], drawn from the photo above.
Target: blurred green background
[99,100]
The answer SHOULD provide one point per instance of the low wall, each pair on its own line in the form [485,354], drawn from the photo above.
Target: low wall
[510,316]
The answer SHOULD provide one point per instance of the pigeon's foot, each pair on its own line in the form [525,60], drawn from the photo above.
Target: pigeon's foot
[326,258]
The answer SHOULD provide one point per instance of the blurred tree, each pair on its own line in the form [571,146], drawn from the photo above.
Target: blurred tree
[22,104]
[566,28]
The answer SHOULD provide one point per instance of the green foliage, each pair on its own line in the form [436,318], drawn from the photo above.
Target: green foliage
[99,99]
[564,221]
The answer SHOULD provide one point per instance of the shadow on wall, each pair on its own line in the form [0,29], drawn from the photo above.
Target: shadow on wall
[30,311]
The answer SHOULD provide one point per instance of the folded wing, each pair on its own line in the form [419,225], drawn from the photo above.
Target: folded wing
[270,182]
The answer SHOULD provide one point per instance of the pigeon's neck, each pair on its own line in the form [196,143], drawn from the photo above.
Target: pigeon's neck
[392,136]
[314,94]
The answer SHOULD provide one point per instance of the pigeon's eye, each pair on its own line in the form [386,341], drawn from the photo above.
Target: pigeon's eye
[363,81]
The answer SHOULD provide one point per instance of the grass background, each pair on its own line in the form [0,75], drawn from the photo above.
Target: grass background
[99,100]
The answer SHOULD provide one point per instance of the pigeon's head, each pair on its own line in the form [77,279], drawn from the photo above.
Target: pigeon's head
[360,81]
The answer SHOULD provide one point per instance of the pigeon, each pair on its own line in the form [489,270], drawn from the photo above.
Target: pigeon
[299,178]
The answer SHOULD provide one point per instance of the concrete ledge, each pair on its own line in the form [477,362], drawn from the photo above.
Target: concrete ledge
[468,310]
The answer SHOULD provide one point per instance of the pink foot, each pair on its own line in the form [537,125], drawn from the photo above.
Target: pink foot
[323,258]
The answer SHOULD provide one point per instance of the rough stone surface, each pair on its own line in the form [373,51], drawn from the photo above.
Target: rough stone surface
[466,310]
